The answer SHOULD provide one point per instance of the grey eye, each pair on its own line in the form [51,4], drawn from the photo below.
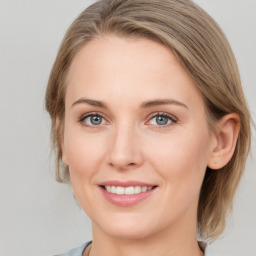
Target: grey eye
[162,120]
[95,120]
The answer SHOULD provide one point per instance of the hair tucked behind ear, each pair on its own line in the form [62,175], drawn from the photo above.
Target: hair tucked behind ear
[200,45]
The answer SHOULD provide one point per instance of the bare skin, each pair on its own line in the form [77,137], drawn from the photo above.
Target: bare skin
[133,113]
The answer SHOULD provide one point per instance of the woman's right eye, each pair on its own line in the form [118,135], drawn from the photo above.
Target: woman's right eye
[93,120]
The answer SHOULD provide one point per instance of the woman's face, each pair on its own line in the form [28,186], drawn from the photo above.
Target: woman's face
[134,121]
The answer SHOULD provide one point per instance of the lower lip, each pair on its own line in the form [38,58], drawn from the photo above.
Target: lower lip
[126,200]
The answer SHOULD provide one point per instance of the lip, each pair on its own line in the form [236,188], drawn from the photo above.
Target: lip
[126,200]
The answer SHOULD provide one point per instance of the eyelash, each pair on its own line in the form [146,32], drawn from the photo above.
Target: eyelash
[171,118]
[83,117]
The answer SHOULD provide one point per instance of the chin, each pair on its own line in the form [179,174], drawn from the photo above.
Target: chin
[128,232]
[128,227]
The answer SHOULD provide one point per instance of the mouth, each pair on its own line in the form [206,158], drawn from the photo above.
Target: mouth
[127,193]
[127,190]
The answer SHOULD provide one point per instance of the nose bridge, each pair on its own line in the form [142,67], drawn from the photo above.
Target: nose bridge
[125,150]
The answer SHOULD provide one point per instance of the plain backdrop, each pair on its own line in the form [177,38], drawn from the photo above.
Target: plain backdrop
[39,216]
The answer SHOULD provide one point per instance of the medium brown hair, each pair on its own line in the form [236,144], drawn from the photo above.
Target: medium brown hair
[201,47]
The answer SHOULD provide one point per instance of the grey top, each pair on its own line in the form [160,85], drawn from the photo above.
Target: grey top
[79,251]
[76,251]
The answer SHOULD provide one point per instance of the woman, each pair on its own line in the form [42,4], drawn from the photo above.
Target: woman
[150,125]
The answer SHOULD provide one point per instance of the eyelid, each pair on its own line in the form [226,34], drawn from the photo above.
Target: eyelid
[93,113]
[162,114]
[173,119]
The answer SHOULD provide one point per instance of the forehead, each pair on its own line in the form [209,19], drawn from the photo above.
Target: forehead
[130,70]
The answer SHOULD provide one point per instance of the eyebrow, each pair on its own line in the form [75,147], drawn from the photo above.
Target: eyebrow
[146,104]
[91,102]
[157,102]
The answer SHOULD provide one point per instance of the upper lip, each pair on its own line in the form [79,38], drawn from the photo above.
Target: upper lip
[128,183]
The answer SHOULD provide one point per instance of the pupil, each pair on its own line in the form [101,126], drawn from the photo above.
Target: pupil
[96,120]
[161,120]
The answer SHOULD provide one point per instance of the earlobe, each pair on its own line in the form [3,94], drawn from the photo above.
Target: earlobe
[226,137]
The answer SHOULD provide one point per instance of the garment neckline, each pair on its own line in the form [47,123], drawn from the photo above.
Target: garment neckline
[202,245]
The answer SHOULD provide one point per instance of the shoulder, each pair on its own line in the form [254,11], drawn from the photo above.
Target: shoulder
[76,251]
[206,248]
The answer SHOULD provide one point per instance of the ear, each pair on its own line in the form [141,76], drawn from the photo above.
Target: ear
[226,137]
[60,131]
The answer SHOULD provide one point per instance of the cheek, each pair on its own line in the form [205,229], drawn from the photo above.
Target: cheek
[84,157]
[83,153]
[181,162]
[181,158]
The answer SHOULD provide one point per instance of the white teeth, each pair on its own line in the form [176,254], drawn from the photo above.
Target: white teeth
[119,190]
[113,189]
[127,190]
[144,189]
[137,189]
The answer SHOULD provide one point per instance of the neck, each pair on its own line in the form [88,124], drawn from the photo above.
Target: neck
[167,242]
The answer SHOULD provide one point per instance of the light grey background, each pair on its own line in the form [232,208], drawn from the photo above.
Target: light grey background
[39,216]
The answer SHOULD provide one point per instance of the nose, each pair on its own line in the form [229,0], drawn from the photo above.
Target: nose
[125,148]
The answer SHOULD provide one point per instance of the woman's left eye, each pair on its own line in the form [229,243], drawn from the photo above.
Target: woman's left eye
[162,120]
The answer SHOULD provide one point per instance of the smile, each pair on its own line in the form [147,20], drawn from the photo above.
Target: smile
[131,190]
[126,194]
